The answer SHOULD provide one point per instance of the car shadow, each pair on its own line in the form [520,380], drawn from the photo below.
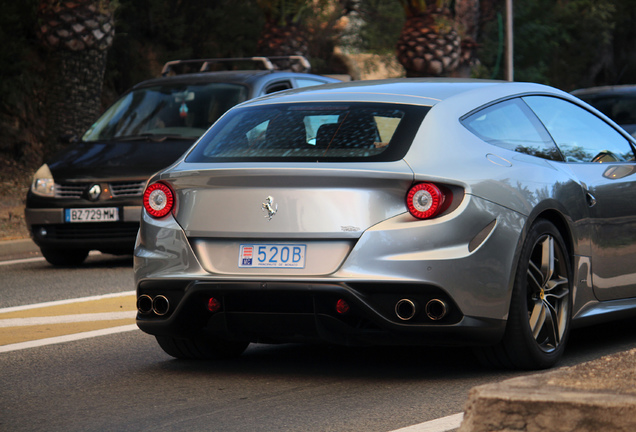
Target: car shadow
[398,363]
[389,363]
[106,260]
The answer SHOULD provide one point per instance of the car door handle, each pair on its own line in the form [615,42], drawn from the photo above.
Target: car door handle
[591,201]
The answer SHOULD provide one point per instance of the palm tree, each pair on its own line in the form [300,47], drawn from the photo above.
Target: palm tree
[78,34]
[284,33]
[429,44]
[468,14]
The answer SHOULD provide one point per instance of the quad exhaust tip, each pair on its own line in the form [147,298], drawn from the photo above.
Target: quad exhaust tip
[405,309]
[436,309]
[144,304]
[160,305]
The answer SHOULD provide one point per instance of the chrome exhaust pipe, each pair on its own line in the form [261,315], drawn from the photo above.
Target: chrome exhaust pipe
[144,304]
[160,305]
[405,309]
[436,309]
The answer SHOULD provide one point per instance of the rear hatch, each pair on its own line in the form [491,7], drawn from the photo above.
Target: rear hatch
[268,220]
[271,188]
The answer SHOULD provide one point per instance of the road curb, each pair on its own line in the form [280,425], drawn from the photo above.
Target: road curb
[12,248]
[595,396]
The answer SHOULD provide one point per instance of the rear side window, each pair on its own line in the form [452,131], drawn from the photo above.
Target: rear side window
[580,135]
[312,132]
[511,125]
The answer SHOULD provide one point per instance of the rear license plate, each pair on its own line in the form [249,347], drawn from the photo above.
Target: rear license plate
[272,256]
[104,214]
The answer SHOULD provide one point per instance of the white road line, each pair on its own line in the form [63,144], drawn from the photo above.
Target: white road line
[63,302]
[63,319]
[67,338]
[443,424]
[21,261]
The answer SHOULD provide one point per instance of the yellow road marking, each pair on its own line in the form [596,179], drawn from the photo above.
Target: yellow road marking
[56,315]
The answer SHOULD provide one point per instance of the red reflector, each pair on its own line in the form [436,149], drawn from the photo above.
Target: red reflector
[158,200]
[342,307]
[424,200]
[214,305]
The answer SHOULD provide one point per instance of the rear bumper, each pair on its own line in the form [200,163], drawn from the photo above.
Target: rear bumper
[294,312]
[467,260]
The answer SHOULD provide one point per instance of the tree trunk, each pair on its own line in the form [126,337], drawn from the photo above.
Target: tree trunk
[74,91]
[467,18]
[78,34]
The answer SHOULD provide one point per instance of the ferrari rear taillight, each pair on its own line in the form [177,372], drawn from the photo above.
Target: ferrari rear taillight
[158,200]
[425,200]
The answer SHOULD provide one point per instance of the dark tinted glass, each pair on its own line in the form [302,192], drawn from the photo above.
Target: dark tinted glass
[168,110]
[619,107]
[312,132]
[511,125]
[580,135]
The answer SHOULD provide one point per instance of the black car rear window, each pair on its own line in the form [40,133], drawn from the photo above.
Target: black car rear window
[311,132]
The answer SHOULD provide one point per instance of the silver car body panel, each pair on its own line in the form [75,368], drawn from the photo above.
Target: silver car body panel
[311,201]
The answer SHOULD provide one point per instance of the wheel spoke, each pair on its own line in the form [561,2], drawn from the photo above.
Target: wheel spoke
[554,324]
[537,318]
[533,270]
[548,293]
[556,288]
[547,259]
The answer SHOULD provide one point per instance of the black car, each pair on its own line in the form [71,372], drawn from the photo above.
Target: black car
[616,102]
[88,197]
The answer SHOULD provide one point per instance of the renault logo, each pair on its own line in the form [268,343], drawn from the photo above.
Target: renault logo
[94,192]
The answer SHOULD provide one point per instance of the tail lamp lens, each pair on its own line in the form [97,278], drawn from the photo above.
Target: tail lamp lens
[158,200]
[424,200]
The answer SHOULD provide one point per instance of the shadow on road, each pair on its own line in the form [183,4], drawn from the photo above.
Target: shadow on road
[396,363]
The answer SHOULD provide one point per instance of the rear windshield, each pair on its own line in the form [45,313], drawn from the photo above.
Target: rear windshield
[311,132]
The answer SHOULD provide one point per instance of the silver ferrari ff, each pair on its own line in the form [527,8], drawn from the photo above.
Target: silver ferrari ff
[490,214]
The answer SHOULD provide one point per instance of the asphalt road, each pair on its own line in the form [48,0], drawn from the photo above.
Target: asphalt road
[124,381]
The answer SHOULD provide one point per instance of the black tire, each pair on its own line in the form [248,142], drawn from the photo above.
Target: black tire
[201,348]
[541,306]
[64,258]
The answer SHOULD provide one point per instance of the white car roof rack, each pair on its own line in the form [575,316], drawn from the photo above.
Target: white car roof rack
[269,63]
